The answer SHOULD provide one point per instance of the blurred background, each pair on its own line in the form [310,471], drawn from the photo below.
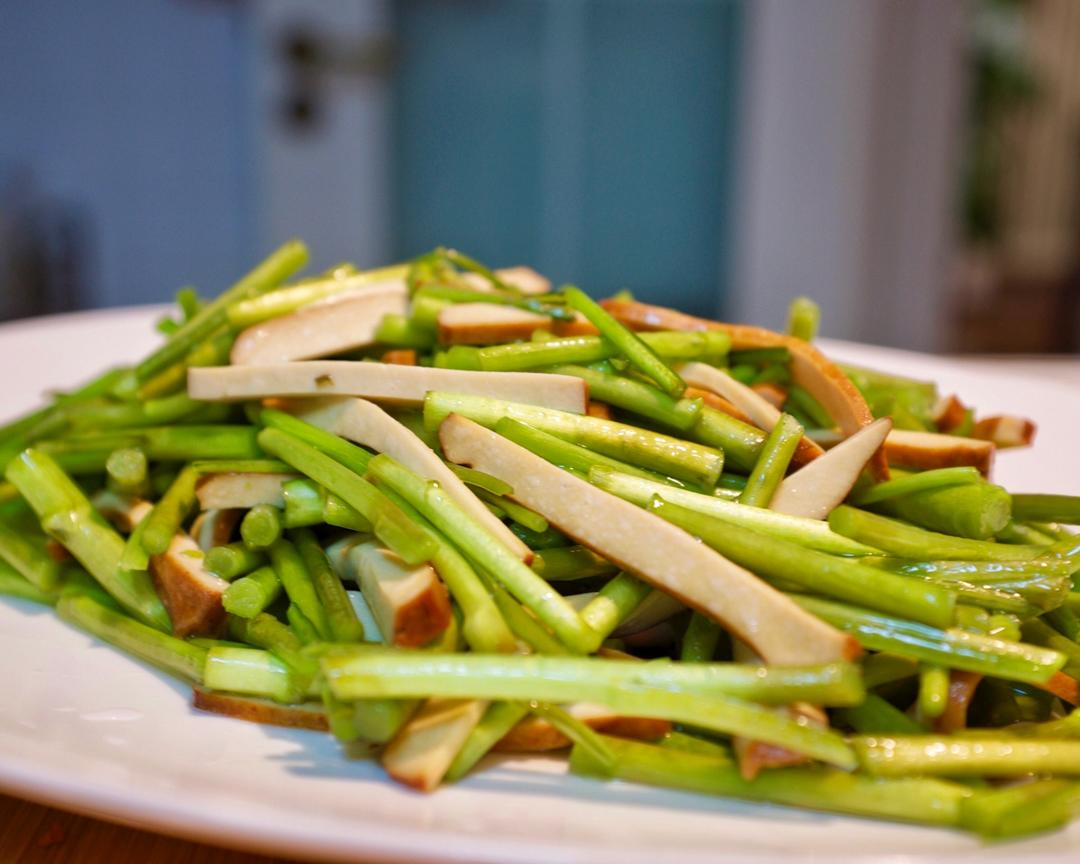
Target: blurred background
[914,165]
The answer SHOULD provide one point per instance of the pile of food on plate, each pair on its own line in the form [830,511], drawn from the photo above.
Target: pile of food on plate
[438,510]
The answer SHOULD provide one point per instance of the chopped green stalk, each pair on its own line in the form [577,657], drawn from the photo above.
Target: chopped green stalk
[261,527]
[135,556]
[12,584]
[252,594]
[958,757]
[233,560]
[147,643]
[812,533]
[343,624]
[700,639]
[350,455]
[804,315]
[473,540]
[365,671]
[245,313]
[918,482]
[1021,809]
[615,602]
[669,456]
[876,715]
[523,625]
[68,516]
[580,734]
[573,457]
[1038,632]
[268,275]
[378,720]
[740,442]
[933,690]
[779,560]
[480,480]
[483,628]
[377,673]
[909,541]
[299,585]
[213,352]
[251,672]
[305,502]
[930,801]
[636,396]
[127,470]
[390,525]
[265,631]
[955,649]
[399,331]
[168,515]
[302,626]
[977,511]
[629,345]
[773,356]
[568,563]
[1047,508]
[340,716]
[521,515]
[161,443]
[523,356]
[1065,621]
[772,462]
[1018,532]
[800,400]
[26,554]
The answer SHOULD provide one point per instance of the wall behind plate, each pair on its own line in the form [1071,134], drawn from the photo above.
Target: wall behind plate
[131,114]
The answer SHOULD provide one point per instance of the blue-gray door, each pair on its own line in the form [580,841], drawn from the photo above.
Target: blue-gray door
[592,138]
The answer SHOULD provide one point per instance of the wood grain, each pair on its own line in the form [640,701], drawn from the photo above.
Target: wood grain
[33,834]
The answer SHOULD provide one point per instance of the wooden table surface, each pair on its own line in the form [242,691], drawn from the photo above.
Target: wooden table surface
[33,834]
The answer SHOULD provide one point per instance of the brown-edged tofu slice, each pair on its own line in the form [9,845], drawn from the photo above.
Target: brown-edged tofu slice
[925,450]
[488,324]
[410,604]
[215,527]
[814,490]
[344,322]
[656,551]
[421,753]
[190,592]
[308,715]
[1005,430]
[382,382]
[241,490]
[366,423]
[811,369]
[537,735]
[124,512]
[524,279]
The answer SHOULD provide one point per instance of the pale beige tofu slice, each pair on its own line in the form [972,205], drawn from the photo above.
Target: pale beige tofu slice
[344,322]
[537,735]
[382,382]
[241,490]
[815,489]
[410,604]
[190,592]
[421,753]
[656,551]
[367,424]
[525,279]
[488,324]
[1005,430]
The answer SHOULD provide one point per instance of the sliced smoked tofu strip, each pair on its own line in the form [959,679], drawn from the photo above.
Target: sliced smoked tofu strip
[382,382]
[815,489]
[656,551]
[925,450]
[343,322]
[488,324]
[525,279]
[421,753]
[410,604]
[309,715]
[536,735]
[190,592]
[366,423]
[215,527]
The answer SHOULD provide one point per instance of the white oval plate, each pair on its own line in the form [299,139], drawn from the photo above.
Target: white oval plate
[86,728]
